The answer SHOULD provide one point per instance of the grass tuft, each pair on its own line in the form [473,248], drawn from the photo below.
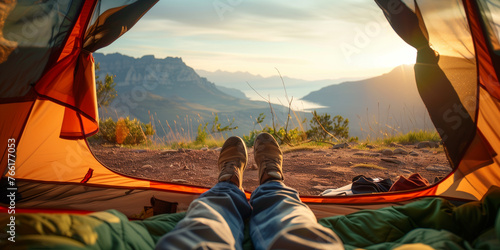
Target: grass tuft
[413,137]
[370,166]
[209,143]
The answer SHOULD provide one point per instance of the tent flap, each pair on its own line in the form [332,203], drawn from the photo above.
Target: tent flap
[113,23]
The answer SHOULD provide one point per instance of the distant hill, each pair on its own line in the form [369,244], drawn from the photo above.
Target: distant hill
[170,90]
[233,92]
[388,102]
[271,86]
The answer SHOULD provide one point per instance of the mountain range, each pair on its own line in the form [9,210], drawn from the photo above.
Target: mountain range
[169,90]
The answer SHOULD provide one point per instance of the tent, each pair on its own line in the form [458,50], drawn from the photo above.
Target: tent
[48,104]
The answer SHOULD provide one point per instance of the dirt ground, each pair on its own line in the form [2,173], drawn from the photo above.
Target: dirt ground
[310,171]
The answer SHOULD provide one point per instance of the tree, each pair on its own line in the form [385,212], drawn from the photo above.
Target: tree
[340,127]
[106,92]
[323,127]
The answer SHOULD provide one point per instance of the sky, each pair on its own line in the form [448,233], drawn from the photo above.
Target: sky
[310,40]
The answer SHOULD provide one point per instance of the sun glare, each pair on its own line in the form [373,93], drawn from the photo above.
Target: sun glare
[404,55]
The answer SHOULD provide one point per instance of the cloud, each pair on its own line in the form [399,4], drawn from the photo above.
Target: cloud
[258,20]
[213,14]
[301,37]
[187,12]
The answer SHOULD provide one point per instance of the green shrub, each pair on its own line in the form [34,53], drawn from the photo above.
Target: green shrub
[341,127]
[201,137]
[138,131]
[107,130]
[250,138]
[135,132]
[291,136]
[323,126]
[217,127]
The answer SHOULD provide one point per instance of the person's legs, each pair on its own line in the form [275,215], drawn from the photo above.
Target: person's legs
[279,219]
[216,219]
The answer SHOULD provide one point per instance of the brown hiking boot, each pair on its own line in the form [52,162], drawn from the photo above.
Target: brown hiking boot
[268,157]
[232,161]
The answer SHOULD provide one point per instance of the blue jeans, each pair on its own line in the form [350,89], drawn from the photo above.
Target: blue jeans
[278,219]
